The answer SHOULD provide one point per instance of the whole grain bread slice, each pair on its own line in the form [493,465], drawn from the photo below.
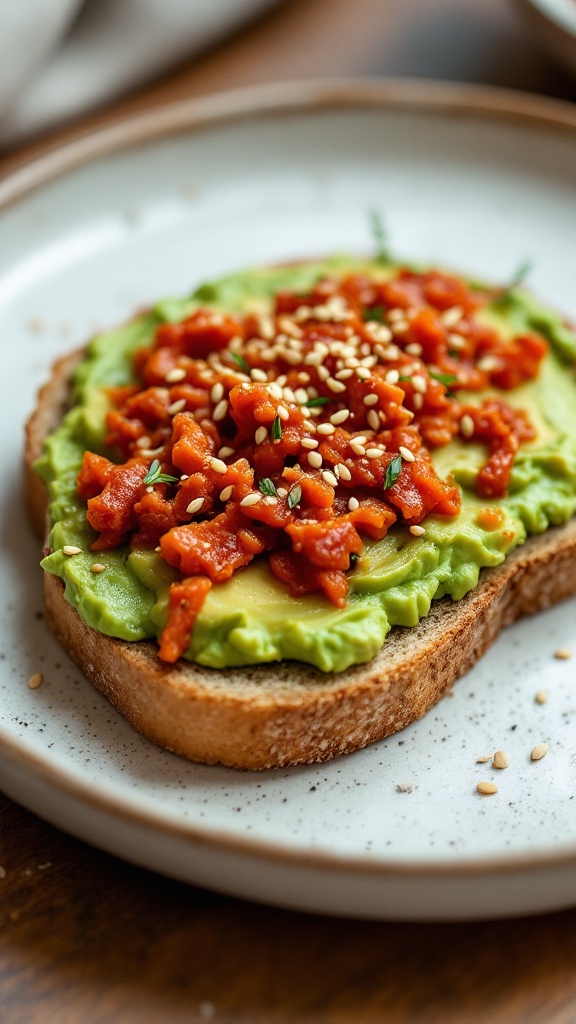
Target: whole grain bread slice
[289,713]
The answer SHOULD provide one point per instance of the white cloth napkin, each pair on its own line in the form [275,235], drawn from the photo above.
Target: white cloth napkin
[60,58]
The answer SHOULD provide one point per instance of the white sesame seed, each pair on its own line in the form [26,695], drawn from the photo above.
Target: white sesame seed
[195,506]
[541,696]
[184,476]
[417,531]
[419,383]
[484,759]
[250,499]
[323,372]
[378,331]
[335,385]
[266,328]
[150,489]
[70,549]
[370,399]
[225,452]
[302,313]
[466,425]
[143,441]
[226,494]
[500,759]
[258,375]
[261,435]
[400,326]
[417,400]
[235,343]
[217,392]
[353,504]
[363,372]
[174,375]
[301,396]
[325,428]
[357,448]
[35,681]
[217,465]
[343,471]
[220,411]
[283,412]
[329,478]
[373,419]
[539,751]
[456,341]
[177,406]
[309,425]
[309,442]
[340,417]
[373,453]
[288,395]
[406,454]
[414,349]
[488,363]
[487,788]
[396,314]
[281,492]
[315,459]
[451,317]
[392,377]
[344,374]
[98,567]
[275,389]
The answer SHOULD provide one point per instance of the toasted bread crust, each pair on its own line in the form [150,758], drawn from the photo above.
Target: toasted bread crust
[288,713]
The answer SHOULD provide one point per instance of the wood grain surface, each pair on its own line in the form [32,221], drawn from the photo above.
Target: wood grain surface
[87,938]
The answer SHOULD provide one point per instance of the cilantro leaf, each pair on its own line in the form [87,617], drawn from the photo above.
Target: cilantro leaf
[374,313]
[444,378]
[267,486]
[276,431]
[156,476]
[516,281]
[393,470]
[313,403]
[294,495]
[240,362]
[379,236]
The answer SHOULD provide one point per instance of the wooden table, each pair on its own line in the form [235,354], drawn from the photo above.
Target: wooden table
[86,938]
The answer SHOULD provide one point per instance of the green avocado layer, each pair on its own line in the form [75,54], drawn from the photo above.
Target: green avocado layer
[253,618]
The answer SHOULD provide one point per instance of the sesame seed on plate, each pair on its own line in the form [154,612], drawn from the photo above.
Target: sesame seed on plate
[143,441]
[563,654]
[301,396]
[406,454]
[195,506]
[539,751]
[541,696]
[484,759]
[417,400]
[500,759]
[250,499]
[35,680]
[419,383]
[487,788]
[315,459]
[281,492]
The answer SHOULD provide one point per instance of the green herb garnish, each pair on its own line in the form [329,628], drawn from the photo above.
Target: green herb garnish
[267,486]
[516,281]
[393,470]
[240,362]
[156,476]
[404,378]
[353,559]
[276,429]
[313,403]
[444,378]
[379,236]
[294,495]
[374,313]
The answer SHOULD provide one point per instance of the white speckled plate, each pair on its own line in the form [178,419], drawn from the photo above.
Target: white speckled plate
[470,178]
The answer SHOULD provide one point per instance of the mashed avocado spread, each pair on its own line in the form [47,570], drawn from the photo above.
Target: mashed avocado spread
[253,617]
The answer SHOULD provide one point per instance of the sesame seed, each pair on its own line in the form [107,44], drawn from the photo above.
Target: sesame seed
[235,343]
[301,396]
[487,788]
[392,377]
[340,417]
[539,751]
[500,759]
[417,400]
[373,419]
[309,425]
[373,453]
[174,375]
[541,696]
[258,375]
[414,349]
[315,460]
[325,428]
[450,317]
[396,314]
[35,681]
[250,499]
[329,478]
[363,372]
[563,654]
[343,471]
[266,328]
[220,411]
[309,442]
[417,531]
[456,341]
[353,504]
[144,441]
[177,406]
[195,506]
[419,383]
[378,331]
[344,374]
[283,412]
[226,494]
[400,326]
[484,759]
[184,476]
[335,385]
[70,549]
[217,465]
[288,395]
[225,452]
[406,454]
[302,313]
[275,390]
[261,435]
[466,425]
[98,567]
[360,439]
[370,399]
[281,492]
[357,448]
[217,392]
[488,363]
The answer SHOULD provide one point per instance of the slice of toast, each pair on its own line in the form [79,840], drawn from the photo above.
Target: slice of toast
[289,713]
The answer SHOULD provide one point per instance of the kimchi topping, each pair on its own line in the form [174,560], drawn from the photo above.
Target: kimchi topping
[299,433]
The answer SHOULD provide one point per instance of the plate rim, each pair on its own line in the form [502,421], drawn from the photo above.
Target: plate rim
[193,115]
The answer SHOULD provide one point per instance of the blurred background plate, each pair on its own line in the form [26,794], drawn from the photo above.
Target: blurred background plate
[554,25]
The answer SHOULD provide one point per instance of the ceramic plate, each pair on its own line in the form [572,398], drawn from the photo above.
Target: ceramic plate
[554,25]
[150,207]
